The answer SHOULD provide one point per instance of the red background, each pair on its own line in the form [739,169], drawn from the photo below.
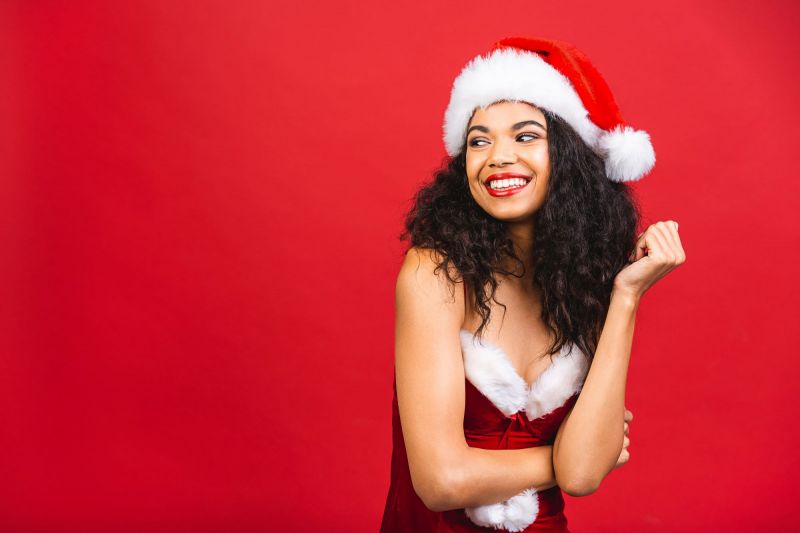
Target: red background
[199,216]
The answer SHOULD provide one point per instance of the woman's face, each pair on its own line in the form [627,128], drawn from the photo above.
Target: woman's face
[507,148]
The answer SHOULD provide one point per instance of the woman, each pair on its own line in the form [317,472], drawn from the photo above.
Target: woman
[531,220]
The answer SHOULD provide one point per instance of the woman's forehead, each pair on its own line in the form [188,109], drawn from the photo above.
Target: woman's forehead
[510,111]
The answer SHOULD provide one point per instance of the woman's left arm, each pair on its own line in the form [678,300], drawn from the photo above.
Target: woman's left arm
[591,436]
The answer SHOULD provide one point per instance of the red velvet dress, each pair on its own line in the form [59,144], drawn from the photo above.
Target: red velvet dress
[501,412]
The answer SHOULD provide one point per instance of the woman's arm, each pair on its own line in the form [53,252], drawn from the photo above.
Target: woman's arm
[429,370]
[591,436]
[590,439]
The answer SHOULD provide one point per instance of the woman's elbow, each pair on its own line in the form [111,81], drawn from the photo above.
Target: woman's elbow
[577,487]
[439,493]
[436,501]
[578,480]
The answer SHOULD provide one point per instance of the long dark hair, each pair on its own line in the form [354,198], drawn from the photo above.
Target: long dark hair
[585,232]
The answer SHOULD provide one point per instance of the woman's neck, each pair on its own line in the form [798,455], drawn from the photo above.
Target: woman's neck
[522,237]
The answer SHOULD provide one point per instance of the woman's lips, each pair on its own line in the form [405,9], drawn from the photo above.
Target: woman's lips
[507,192]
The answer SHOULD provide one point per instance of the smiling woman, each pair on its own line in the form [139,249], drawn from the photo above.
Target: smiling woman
[497,138]
[491,422]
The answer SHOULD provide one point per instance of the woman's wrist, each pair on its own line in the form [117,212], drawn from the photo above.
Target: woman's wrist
[626,297]
[551,478]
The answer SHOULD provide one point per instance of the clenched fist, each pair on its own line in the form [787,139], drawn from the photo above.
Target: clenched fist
[658,250]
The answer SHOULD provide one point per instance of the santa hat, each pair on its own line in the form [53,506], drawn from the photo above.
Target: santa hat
[558,77]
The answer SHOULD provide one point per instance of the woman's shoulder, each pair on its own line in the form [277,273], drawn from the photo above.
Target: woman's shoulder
[419,255]
[429,263]
[423,280]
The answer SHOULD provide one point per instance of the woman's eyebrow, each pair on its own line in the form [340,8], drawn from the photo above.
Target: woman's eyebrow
[515,127]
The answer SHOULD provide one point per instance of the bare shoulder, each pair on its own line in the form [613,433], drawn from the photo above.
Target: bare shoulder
[423,281]
[429,314]
[429,372]
[421,258]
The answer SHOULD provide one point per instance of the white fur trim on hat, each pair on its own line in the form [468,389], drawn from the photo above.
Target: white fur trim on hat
[518,75]
[628,153]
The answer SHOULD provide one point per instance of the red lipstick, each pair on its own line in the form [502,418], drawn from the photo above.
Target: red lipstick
[510,191]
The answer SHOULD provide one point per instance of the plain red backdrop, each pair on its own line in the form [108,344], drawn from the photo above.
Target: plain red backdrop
[199,217]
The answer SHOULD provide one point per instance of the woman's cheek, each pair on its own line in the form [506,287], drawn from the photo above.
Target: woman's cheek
[540,157]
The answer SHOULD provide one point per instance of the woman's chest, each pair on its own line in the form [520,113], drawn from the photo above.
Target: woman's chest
[487,427]
[502,409]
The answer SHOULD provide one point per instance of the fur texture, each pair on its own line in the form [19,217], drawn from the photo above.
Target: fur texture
[628,153]
[508,74]
[488,367]
[514,514]
[518,75]
[563,378]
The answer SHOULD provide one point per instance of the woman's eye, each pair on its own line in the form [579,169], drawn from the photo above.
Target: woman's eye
[524,137]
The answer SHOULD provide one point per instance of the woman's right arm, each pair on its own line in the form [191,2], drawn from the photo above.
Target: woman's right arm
[429,370]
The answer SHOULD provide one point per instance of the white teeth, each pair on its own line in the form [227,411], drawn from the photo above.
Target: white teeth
[507,183]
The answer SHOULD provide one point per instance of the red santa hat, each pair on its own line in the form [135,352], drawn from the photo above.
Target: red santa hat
[558,77]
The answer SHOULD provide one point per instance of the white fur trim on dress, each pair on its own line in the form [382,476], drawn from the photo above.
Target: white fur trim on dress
[518,75]
[514,514]
[562,379]
[489,369]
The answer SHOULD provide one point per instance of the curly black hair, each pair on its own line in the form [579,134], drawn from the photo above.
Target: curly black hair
[585,232]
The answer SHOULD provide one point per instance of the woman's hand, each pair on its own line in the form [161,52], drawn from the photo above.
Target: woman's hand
[625,455]
[658,251]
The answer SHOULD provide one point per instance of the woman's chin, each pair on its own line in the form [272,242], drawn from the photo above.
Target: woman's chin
[513,215]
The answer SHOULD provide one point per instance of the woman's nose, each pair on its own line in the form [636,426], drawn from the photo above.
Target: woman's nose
[502,153]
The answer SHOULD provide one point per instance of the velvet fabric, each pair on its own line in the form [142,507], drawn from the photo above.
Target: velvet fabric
[485,426]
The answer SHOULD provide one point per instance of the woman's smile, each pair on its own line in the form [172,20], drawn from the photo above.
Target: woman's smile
[505,184]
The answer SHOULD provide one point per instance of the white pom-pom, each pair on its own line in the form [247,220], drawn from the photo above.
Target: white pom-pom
[491,515]
[514,514]
[628,153]
[521,510]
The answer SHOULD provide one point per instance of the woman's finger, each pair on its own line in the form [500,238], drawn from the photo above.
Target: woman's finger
[628,415]
[671,230]
[662,247]
[679,245]
[640,247]
[667,229]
